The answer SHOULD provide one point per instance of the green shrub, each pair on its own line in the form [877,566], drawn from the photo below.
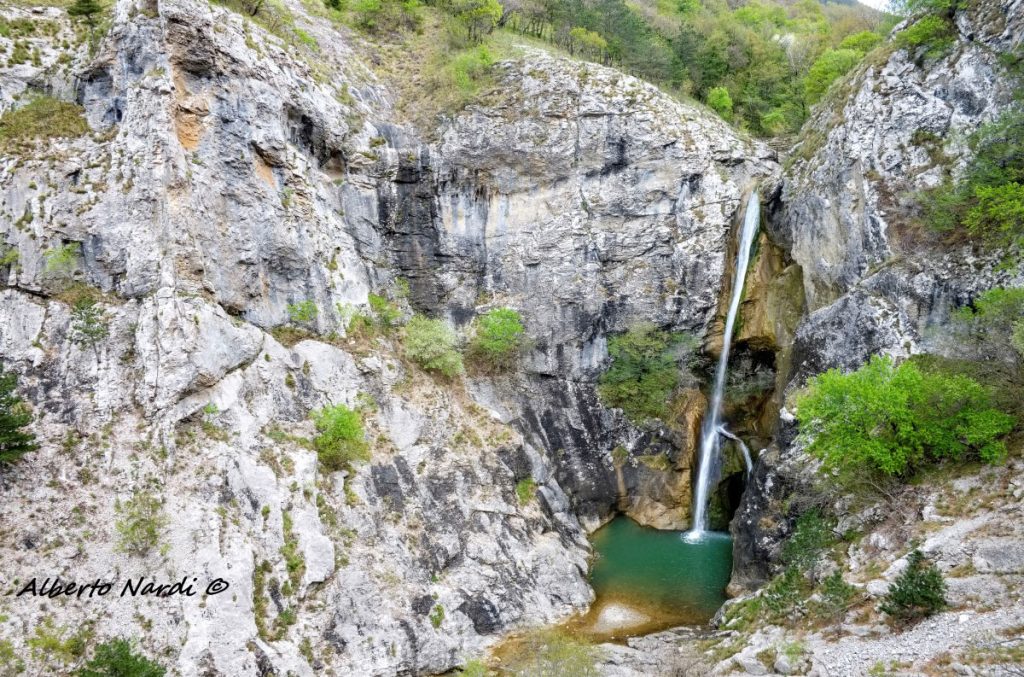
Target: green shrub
[303,312]
[811,534]
[832,64]
[117,658]
[478,16]
[387,16]
[386,314]
[473,668]
[644,371]
[432,344]
[720,102]
[994,325]
[863,42]
[526,489]
[549,653]
[935,34]
[41,118]
[140,522]
[498,340]
[437,616]
[782,595]
[61,261]
[469,70]
[341,441]
[891,420]
[917,592]
[15,440]
[988,202]
[835,597]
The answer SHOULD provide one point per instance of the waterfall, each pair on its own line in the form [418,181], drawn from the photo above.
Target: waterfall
[712,426]
[722,430]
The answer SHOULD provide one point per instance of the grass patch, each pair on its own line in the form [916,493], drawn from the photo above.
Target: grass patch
[41,119]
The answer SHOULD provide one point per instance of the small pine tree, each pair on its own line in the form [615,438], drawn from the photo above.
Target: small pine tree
[87,9]
[917,593]
[14,441]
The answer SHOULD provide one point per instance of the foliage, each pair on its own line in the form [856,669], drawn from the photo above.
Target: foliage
[61,261]
[303,312]
[57,645]
[117,658]
[468,69]
[437,616]
[140,522]
[720,102]
[526,489]
[811,534]
[891,420]
[644,371]
[432,344]
[933,34]
[386,314]
[863,42]
[549,653]
[917,592]
[834,598]
[385,16]
[832,64]
[498,339]
[478,16]
[15,441]
[994,326]
[987,203]
[88,324]
[41,118]
[473,668]
[86,9]
[341,441]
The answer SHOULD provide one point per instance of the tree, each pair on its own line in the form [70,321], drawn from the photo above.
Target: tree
[88,324]
[720,102]
[342,440]
[117,658]
[644,371]
[15,442]
[86,9]
[479,16]
[917,592]
[829,66]
[499,338]
[432,344]
[890,420]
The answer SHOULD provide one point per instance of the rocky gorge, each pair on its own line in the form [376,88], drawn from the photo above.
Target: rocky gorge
[227,175]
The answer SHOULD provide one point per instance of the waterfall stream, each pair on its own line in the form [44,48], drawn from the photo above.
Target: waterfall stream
[712,426]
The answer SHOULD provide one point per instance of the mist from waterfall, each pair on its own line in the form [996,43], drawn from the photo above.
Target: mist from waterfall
[711,429]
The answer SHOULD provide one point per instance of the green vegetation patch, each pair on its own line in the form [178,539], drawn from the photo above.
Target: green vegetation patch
[42,118]
[342,440]
[917,592]
[433,345]
[118,658]
[498,339]
[141,521]
[644,371]
[15,416]
[890,420]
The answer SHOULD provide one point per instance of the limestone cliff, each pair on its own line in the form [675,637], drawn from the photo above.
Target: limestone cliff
[230,173]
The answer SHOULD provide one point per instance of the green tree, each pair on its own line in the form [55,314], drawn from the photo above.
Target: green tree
[644,371]
[86,9]
[993,325]
[15,441]
[917,592]
[342,440]
[720,102]
[478,16]
[865,41]
[498,339]
[88,324]
[891,420]
[432,344]
[117,658]
[826,70]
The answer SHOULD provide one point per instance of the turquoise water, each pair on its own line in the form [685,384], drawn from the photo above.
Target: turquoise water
[654,569]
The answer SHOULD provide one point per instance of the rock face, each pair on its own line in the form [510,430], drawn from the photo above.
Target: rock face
[872,283]
[232,175]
